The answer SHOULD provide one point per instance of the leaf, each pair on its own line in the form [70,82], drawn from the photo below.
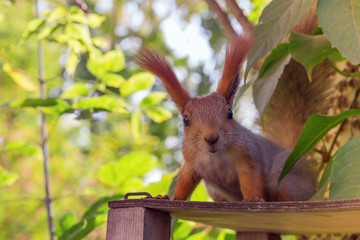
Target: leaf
[135,124]
[19,77]
[345,175]
[340,21]
[269,74]
[161,187]
[158,114]
[72,62]
[104,102]
[113,80]
[137,82]
[276,21]
[7,178]
[95,20]
[134,164]
[35,102]
[183,229]
[33,26]
[23,148]
[153,99]
[65,222]
[310,50]
[92,218]
[114,60]
[314,130]
[76,90]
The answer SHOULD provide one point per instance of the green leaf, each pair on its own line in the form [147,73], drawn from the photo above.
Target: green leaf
[134,164]
[7,178]
[135,124]
[72,62]
[114,60]
[33,26]
[158,114]
[65,222]
[161,187]
[183,229]
[340,21]
[276,21]
[19,77]
[345,175]
[76,90]
[113,80]
[23,148]
[310,50]
[314,130]
[107,103]
[137,82]
[153,99]
[35,102]
[95,20]
[269,75]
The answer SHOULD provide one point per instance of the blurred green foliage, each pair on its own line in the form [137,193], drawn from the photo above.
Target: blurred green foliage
[107,120]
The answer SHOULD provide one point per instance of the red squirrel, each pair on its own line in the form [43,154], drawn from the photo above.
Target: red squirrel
[235,163]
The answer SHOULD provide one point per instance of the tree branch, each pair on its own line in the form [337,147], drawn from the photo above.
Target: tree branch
[44,135]
[239,15]
[222,18]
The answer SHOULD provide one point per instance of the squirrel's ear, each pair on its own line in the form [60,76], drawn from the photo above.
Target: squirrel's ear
[235,54]
[156,63]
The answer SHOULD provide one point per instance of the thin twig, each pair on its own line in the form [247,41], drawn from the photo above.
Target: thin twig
[342,124]
[44,136]
[239,15]
[223,19]
[82,5]
[357,75]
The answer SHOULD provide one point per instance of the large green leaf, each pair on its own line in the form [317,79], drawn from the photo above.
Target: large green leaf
[113,80]
[104,102]
[276,21]
[134,164]
[23,148]
[137,82]
[310,50]
[19,77]
[72,62]
[7,178]
[76,90]
[340,21]
[153,99]
[345,175]
[269,75]
[314,130]
[112,61]
[35,102]
[158,114]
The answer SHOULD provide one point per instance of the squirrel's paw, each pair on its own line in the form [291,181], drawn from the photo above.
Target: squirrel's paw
[253,199]
[165,197]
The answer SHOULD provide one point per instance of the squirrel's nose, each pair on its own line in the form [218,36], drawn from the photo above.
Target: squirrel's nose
[211,139]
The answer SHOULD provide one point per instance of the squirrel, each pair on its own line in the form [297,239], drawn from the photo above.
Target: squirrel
[235,163]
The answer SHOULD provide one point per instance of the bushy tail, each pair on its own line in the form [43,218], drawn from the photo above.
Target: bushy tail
[295,100]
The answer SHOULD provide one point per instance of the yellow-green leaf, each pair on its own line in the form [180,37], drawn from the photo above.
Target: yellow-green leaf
[153,99]
[72,62]
[19,77]
[158,114]
[114,60]
[7,178]
[77,90]
[113,80]
[137,82]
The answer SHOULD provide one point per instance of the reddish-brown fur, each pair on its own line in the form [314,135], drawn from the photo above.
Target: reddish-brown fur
[157,64]
[236,164]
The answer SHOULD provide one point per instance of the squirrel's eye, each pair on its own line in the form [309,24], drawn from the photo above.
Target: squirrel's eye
[186,121]
[229,114]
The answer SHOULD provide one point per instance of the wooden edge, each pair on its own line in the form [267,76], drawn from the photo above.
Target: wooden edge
[299,206]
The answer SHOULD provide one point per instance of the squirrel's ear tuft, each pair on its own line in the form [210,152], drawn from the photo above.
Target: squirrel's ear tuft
[156,63]
[235,55]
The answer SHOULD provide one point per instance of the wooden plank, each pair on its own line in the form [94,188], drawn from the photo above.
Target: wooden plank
[340,216]
[138,223]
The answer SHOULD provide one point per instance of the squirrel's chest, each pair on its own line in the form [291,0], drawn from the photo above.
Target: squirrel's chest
[217,169]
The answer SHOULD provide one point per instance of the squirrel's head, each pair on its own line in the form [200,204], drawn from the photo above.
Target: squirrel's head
[208,121]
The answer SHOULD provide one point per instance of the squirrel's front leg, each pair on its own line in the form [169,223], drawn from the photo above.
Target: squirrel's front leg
[186,182]
[250,177]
